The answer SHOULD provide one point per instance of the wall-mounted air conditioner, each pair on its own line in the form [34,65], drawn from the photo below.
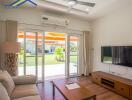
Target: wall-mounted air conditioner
[54,20]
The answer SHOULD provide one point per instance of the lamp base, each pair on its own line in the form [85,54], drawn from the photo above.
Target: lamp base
[11,63]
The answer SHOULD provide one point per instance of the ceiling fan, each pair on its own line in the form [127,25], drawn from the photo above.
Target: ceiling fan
[74,2]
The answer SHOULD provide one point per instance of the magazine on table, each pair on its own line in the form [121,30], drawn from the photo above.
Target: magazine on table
[72,85]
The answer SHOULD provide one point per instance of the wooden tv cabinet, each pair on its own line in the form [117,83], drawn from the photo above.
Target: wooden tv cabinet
[115,83]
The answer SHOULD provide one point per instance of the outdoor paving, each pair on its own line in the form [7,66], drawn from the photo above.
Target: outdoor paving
[50,70]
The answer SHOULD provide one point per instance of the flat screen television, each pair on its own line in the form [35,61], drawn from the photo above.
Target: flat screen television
[118,55]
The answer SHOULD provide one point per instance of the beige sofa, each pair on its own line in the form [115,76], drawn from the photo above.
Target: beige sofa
[18,88]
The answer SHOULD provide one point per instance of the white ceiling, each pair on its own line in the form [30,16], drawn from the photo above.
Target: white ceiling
[102,7]
[77,6]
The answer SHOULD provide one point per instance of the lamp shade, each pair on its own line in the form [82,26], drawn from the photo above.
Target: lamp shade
[11,47]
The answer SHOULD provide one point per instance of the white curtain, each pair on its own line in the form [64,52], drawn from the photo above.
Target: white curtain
[86,53]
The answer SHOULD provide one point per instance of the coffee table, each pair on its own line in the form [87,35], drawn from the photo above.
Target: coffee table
[75,94]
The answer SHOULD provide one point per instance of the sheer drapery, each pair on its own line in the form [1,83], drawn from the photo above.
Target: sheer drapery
[86,53]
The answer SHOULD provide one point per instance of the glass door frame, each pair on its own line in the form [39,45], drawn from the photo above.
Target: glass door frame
[64,53]
[67,53]
[36,52]
[67,71]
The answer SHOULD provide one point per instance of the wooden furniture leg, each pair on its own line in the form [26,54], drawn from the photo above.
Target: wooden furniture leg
[94,98]
[53,91]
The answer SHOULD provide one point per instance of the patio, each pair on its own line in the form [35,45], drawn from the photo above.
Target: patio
[51,71]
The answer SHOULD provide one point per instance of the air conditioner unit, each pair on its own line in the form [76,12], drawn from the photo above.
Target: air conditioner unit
[54,20]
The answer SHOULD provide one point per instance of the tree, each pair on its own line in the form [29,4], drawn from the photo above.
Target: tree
[59,56]
[21,55]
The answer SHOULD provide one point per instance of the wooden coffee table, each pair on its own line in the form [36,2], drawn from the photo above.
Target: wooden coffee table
[75,94]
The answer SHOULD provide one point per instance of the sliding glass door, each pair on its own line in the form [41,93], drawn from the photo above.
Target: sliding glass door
[31,55]
[48,55]
[21,62]
[54,55]
[73,55]
[40,55]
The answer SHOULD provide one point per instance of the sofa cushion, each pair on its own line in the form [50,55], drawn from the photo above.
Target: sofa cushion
[36,97]
[7,81]
[26,79]
[3,93]
[24,90]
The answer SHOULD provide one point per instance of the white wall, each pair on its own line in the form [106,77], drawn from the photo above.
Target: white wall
[1,12]
[112,29]
[2,39]
[33,16]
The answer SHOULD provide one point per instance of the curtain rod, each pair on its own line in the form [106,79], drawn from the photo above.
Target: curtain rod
[52,25]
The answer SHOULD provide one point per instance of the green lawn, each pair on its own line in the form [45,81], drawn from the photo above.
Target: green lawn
[48,60]
[107,59]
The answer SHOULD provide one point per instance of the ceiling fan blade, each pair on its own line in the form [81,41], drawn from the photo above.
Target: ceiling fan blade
[86,3]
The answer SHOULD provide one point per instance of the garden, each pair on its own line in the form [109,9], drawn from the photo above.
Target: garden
[58,57]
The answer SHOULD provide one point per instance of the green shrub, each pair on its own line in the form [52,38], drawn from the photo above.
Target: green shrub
[59,56]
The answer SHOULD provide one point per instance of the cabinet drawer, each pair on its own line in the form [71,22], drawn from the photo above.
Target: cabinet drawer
[122,89]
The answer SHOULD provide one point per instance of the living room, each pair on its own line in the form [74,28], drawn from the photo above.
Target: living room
[84,36]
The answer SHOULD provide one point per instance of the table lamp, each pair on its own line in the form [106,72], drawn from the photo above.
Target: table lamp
[10,50]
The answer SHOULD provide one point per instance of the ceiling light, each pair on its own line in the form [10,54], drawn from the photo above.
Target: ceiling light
[72,2]
[87,9]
